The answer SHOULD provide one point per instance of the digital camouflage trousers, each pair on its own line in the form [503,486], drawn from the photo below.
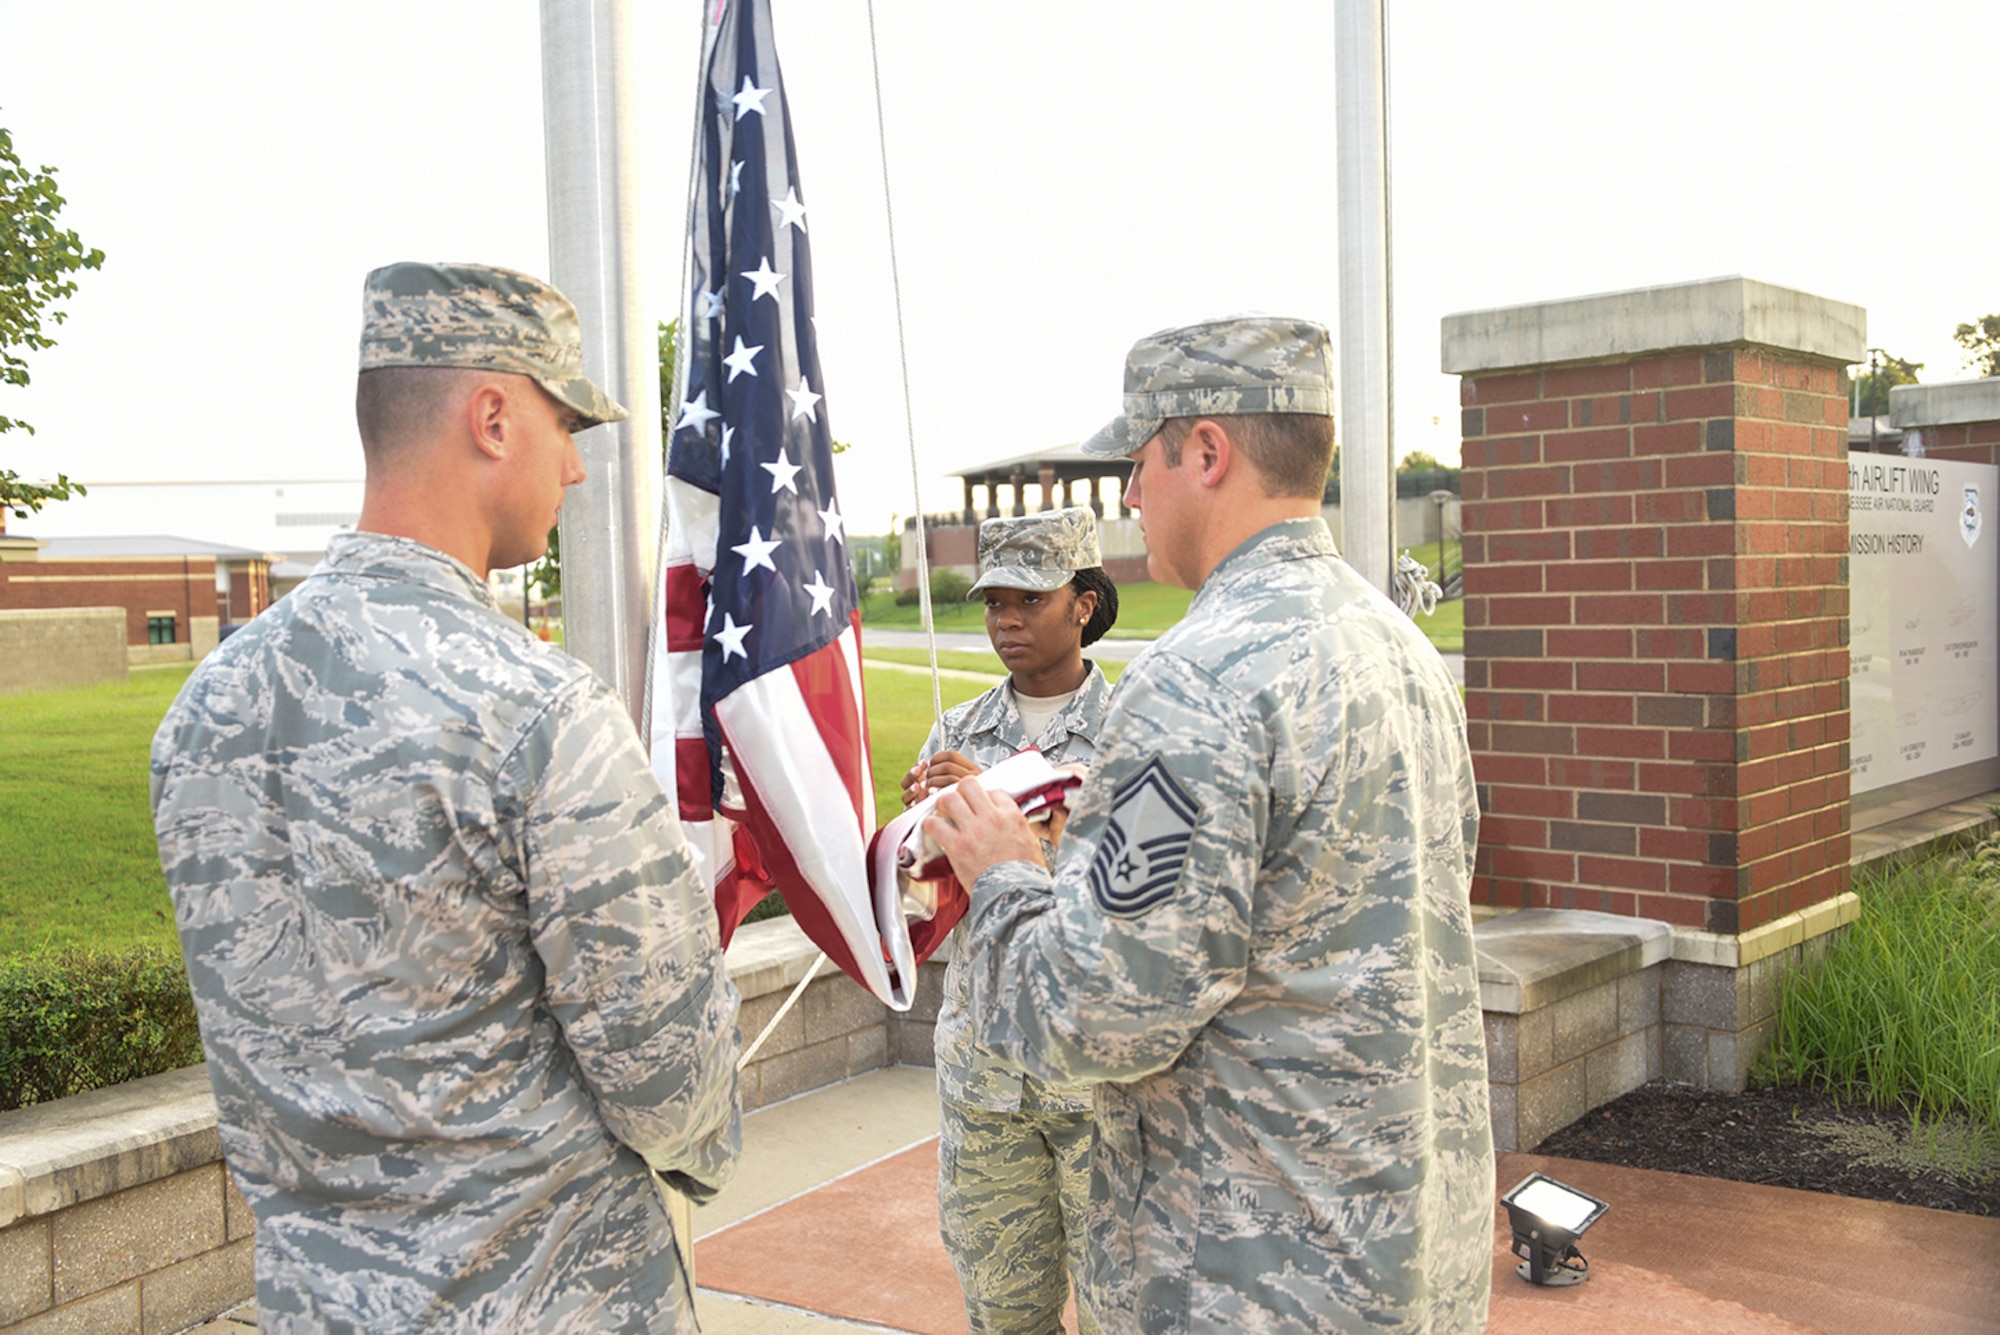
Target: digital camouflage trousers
[1012,1187]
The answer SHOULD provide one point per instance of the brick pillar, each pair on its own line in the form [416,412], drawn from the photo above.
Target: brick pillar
[1655,540]
[1957,420]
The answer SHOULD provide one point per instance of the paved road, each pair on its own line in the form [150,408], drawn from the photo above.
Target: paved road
[1114,650]
[959,641]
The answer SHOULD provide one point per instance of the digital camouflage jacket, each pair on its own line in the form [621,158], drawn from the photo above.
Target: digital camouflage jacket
[1259,942]
[986,730]
[456,976]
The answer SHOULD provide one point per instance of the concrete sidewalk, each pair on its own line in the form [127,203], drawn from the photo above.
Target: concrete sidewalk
[830,1226]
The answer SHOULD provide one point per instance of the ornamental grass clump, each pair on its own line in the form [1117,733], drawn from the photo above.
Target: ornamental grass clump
[76,1020]
[1904,1010]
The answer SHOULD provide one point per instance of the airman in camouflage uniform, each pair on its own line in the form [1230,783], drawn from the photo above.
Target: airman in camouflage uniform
[1014,1150]
[457,978]
[1258,939]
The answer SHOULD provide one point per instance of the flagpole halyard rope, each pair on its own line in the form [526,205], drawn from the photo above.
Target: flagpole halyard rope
[783,1011]
[903,356]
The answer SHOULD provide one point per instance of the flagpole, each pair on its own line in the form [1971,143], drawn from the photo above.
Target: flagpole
[1367,478]
[609,521]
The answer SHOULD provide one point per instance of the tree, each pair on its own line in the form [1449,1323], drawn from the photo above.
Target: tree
[36,261]
[1872,385]
[1419,461]
[1981,341]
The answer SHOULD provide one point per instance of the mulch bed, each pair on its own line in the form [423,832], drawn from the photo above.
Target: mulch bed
[1801,1138]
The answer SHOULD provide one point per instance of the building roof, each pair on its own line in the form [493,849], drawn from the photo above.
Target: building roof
[143,545]
[1069,461]
[1877,431]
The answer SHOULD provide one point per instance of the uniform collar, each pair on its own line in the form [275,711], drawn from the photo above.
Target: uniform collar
[381,556]
[1286,540]
[998,713]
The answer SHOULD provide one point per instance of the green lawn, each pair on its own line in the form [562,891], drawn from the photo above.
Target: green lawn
[899,719]
[1144,611]
[880,609]
[1446,626]
[81,867]
[955,660]
[952,660]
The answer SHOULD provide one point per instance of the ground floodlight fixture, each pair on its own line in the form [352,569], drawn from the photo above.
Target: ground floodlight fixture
[1547,1218]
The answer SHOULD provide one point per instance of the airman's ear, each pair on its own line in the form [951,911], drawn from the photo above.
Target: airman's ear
[1213,451]
[489,416]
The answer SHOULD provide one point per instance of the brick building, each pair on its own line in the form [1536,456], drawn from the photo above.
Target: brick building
[178,595]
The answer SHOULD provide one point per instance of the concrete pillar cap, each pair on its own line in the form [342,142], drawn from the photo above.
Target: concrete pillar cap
[1945,405]
[1708,313]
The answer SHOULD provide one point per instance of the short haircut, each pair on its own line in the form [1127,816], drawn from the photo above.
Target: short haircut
[397,405]
[1293,451]
[1092,579]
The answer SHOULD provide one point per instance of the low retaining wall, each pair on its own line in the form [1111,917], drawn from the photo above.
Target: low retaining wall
[1582,1007]
[51,648]
[204,633]
[835,1032]
[117,1213]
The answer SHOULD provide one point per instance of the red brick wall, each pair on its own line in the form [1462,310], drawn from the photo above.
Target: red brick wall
[182,585]
[1656,656]
[1966,442]
[944,544]
[249,590]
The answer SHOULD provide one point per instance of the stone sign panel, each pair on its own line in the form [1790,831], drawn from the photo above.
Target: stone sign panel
[1924,648]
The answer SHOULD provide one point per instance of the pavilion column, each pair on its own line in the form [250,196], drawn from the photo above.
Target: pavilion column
[1046,477]
[971,517]
[992,495]
[1018,479]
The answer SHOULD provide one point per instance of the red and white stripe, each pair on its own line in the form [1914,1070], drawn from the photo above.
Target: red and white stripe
[798,797]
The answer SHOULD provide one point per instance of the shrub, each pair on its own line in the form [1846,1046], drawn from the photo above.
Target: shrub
[947,586]
[77,1020]
[770,906]
[1904,1010]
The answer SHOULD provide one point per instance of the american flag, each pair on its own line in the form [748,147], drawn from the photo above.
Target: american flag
[757,716]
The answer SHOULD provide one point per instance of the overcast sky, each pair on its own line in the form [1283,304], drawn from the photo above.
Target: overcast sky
[1067,176]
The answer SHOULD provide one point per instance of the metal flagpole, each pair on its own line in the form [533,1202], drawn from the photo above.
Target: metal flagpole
[610,522]
[1367,477]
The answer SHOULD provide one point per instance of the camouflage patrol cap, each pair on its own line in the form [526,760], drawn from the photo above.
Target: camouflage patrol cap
[1039,552]
[1244,364]
[481,318]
